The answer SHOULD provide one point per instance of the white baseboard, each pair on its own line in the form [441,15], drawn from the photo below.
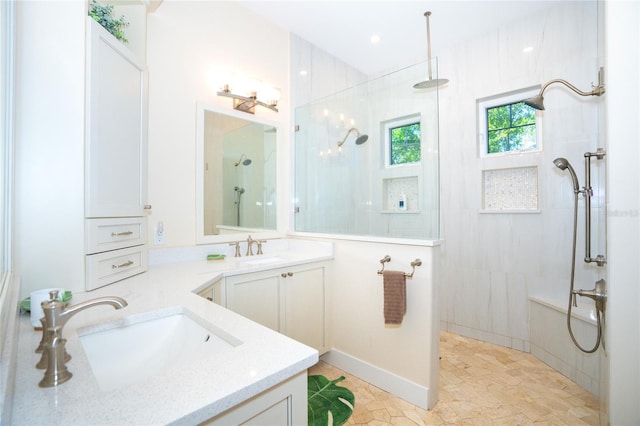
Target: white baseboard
[399,386]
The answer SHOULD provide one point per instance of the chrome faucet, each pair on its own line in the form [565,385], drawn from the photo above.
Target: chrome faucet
[236,244]
[250,242]
[56,315]
[260,242]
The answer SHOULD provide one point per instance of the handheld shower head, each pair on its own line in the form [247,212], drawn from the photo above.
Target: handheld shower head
[360,138]
[563,164]
[243,160]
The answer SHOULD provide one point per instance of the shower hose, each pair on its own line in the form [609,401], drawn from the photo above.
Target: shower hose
[599,315]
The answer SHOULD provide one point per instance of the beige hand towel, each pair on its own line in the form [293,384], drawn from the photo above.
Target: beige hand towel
[395,296]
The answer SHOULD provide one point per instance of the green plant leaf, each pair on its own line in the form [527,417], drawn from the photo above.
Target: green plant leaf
[102,15]
[327,399]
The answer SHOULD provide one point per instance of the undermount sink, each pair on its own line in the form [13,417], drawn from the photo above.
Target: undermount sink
[262,261]
[127,352]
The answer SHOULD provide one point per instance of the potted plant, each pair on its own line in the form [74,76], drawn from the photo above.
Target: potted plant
[103,14]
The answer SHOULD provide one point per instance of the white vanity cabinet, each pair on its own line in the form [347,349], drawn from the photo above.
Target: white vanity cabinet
[213,293]
[256,296]
[115,160]
[290,300]
[284,404]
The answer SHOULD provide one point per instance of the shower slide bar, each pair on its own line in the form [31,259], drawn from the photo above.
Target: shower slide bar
[600,260]
[599,293]
[415,263]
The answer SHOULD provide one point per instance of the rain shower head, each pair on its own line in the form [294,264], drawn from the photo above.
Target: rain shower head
[360,138]
[430,82]
[563,164]
[537,101]
[243,160]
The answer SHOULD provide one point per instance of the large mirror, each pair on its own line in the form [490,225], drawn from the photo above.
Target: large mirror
[236,175]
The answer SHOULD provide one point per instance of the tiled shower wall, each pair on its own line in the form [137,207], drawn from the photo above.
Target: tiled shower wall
[350,190]
[492,262]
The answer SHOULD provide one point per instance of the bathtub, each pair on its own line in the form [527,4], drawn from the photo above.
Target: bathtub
[550,341]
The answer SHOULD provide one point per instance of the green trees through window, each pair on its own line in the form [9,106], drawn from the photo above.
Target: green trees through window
[511,127]
[404,144]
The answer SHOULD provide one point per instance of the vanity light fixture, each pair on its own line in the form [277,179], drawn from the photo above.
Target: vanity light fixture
[247,103]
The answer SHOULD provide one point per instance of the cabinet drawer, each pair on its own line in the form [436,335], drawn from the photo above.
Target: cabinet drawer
[112,266]
[116,233]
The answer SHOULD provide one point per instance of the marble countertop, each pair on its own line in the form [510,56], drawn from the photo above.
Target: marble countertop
[186,394]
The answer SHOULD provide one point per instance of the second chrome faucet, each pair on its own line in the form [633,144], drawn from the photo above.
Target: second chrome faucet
[250,242]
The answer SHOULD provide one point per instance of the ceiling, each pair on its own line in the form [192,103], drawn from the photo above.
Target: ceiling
[344,28]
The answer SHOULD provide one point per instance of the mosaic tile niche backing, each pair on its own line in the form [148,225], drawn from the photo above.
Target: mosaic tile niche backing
[394,187]
[510,189]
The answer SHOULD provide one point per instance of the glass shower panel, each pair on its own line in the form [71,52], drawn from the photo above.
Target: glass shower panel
[351,189]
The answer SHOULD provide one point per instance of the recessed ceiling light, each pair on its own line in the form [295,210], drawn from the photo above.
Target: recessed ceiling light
[527,49]
[304,72]
[375,39]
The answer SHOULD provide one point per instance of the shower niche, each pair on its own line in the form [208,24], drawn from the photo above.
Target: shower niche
[400,195]
[343,182]
[510,190]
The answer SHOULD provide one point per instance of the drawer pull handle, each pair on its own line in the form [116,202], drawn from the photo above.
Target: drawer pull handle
[120,234]
[124,265]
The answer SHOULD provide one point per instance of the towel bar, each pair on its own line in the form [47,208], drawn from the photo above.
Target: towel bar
[415,263]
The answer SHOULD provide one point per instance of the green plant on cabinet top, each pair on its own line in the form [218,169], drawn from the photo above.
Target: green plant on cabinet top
[103,15]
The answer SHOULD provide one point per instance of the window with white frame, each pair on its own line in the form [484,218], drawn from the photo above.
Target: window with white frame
[507,125]
[403,140]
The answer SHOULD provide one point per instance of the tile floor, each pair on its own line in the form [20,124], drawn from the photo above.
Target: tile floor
[480,384]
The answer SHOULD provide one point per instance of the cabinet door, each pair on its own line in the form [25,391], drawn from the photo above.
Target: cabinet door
[213,293]
[256,297]
[116,127]
[304,318]
[283,404]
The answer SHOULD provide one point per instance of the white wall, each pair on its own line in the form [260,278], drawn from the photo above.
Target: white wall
[491,263]
[187,42]
[403,360]
[49,132]
[623,137]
